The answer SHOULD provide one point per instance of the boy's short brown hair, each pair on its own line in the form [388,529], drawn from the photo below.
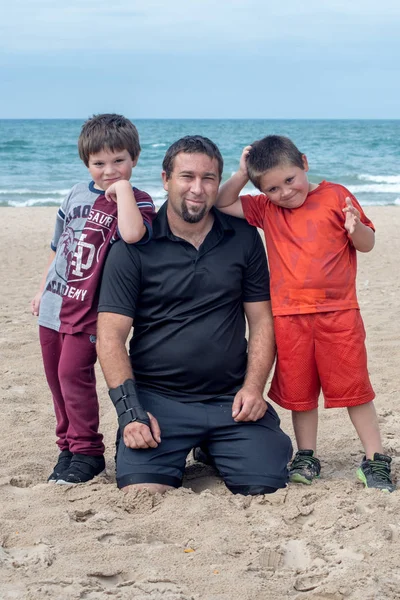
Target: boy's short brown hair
[272,151]
[108,131]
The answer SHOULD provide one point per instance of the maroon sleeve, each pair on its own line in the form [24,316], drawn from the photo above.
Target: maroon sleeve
[148,211]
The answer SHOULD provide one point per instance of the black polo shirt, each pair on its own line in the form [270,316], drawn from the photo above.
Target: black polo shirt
[187,305]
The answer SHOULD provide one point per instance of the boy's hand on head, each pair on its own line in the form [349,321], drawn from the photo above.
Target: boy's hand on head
[352,216]
[35,304]
[243,160]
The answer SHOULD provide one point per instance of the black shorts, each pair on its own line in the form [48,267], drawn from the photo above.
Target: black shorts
[247,454]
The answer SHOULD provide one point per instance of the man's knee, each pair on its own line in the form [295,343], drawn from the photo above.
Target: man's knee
[252,490]
[153,488]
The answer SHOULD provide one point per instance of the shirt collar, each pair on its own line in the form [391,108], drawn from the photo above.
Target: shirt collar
[93,189]
[162,229]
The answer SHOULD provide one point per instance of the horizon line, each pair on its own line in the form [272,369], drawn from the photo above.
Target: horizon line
[209,118]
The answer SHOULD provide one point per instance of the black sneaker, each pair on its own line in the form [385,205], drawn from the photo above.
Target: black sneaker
[64,460]
[82,468]
[305,467]
[201,455]
[375,473]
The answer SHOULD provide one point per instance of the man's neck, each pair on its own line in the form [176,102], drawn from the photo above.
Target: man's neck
[194,233]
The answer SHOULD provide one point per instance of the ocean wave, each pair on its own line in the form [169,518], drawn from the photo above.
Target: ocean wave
[158,145]
[380,178]
[158,194]
[25,191]
[31,202]
[7,144]
[383,188]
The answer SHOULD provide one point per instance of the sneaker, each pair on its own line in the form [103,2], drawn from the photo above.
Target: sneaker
[82,468]
[305,467]
[375,473]
[64,460]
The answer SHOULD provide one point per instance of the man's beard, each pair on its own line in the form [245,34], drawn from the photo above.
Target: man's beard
[189,217]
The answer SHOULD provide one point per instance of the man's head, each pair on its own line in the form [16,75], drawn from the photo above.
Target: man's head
[279,170]
[192,171]
[109,146]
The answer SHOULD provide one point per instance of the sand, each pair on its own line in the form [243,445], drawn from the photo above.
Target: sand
[328,541]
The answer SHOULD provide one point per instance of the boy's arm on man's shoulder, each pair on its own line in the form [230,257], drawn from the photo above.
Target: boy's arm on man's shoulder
[228,200]
[148,211]
[133,225]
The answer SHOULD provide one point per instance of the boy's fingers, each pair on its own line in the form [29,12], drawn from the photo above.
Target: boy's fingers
[348,202]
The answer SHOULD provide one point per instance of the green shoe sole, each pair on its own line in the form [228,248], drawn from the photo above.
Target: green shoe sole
[298,478]
[361,477]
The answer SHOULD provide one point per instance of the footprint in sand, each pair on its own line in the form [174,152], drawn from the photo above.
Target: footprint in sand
[119,539]
[130,539]
[271,559]
[21,481]
[296,555]
[81,516]
[41,553]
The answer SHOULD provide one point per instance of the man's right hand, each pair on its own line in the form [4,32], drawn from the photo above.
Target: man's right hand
[139,436]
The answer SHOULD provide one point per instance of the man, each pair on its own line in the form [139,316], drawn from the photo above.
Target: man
[187,292]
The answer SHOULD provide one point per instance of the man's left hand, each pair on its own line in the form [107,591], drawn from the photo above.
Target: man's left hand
[248,405]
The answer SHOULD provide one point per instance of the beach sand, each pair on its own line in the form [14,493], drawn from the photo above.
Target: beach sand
[328,541]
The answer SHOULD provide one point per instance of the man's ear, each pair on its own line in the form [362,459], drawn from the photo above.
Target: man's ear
[165,180]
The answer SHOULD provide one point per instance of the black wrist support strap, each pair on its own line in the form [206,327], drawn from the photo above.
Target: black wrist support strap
[127,404]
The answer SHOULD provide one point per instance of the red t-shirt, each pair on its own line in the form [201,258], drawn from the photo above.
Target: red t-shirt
[312,260]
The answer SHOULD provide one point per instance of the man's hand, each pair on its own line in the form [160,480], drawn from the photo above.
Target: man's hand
[248,405]
[139,436]
[243,161]
[35,304]
[352,216]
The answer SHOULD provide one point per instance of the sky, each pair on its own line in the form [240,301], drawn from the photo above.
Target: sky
[200,59]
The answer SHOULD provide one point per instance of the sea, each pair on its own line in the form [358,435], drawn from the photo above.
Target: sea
[39,160]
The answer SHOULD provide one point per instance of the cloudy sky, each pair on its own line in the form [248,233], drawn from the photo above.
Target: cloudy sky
[200,58]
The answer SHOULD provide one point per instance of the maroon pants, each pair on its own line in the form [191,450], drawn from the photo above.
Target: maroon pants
[69,366]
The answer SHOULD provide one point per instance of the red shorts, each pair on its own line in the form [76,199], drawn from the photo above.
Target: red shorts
[320,351]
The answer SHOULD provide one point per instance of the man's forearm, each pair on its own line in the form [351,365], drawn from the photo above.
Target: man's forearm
[114,361]
[261,355]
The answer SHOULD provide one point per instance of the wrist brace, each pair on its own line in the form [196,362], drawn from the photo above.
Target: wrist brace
[127,404]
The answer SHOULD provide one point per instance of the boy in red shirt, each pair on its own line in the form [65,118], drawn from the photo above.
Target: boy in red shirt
[312,233]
